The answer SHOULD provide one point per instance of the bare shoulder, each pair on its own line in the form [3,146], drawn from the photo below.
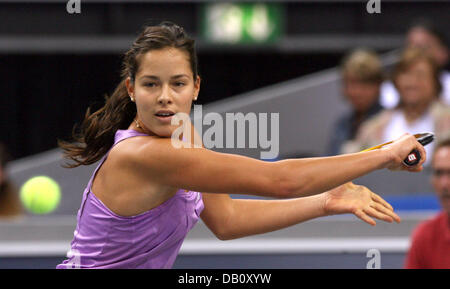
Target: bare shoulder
[159,155]
[144,152]
[149,158]
[121,185]
[128,150]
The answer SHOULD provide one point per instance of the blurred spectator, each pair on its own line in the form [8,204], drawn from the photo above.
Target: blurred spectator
[423,34]
[361,78]
[10,205]
[430,244]
[416,77]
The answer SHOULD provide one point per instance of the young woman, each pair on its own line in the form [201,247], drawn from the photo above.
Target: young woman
[144,196]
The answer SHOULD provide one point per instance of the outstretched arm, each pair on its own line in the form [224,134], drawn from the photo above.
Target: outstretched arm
[203,170]
[235,218]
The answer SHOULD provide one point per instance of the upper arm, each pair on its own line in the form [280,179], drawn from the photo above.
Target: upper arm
[203,170]
[217,213]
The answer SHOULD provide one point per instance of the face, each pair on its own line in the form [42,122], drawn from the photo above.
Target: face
[362,95]
[441,176]
[421,38]
[164,82]
[416,85]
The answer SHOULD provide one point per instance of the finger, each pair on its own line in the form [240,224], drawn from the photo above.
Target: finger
[377,214]
[386,211]
[380,200]
[383,206]
[360,214]
[414,169]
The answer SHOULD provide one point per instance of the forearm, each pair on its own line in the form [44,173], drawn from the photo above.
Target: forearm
[310,176]
[251,217]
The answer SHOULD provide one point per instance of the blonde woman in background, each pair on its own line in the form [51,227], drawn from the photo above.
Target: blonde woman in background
[362,75]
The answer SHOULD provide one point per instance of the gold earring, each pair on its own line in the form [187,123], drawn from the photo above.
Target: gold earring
[137,123]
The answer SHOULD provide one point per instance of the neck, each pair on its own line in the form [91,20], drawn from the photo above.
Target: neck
[139,126]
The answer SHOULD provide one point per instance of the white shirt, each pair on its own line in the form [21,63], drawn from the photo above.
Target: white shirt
[398,126]
[389,96]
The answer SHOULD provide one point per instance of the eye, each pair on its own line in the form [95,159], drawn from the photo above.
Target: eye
[179,83]
[150,84]
[438,172]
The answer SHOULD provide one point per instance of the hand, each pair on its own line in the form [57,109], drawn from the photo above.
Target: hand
[400,149]
[360,201]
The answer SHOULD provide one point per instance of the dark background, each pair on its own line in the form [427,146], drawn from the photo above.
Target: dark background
[45,91]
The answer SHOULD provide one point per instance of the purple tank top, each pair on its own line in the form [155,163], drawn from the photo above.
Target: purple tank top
[103,239]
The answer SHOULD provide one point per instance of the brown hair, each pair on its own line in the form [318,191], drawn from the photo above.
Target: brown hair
[411,56]
[362,65]
[96,135]
[444,142]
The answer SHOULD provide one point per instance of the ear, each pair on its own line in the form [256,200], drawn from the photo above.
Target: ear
[130,87]
[197,87]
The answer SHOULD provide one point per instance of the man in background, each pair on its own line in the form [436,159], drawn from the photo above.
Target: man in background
[430,245]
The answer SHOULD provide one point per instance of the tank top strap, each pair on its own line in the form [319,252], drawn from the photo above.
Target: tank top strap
[119,136]
[124,134]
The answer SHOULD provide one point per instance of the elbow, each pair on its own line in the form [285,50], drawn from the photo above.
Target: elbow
[227,236]
[220,228]
[223,235]
[224,231]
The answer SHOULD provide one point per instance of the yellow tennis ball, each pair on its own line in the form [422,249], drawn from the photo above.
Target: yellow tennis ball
[40,195]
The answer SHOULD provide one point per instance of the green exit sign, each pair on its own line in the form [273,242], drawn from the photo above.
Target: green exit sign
[242,22]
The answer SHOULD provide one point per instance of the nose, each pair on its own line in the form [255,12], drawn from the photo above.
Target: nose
[165,97]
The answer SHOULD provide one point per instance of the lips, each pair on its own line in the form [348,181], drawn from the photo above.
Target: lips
[164,113]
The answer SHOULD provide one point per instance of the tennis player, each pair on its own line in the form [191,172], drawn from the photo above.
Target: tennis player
[144,196]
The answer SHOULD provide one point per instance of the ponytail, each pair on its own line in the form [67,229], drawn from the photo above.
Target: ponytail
[96,135]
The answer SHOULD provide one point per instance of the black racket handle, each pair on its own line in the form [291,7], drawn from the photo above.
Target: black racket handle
[413,158]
